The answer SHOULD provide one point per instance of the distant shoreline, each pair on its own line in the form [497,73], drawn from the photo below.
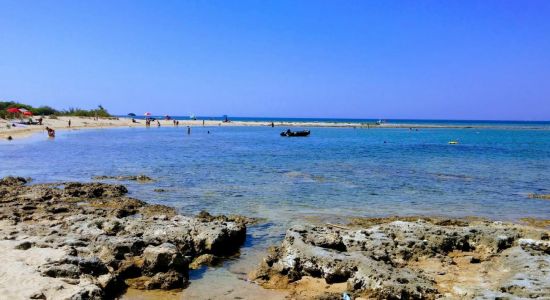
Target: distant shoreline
[61,123]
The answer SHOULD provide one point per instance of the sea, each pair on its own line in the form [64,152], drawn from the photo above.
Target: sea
[330,176]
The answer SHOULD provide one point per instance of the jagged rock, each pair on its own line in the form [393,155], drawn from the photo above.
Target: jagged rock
[94,190]
[166,281]
[387,260]
[163,258]
[61,270]
[109,240]
[88,292]
[205,259]
[92,266]
[219,240]
[12,181]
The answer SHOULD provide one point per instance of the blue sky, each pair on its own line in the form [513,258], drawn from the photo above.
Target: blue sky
[356,59]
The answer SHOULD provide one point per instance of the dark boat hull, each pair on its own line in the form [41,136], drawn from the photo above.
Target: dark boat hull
[295,133]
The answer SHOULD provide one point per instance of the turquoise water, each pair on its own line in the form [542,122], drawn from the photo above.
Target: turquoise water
[255,172]
[332,174]
[423,122]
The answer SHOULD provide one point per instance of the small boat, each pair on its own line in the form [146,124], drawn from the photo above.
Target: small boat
[295,133]
[453,143]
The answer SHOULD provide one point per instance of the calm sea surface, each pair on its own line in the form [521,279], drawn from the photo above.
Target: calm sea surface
[332,174]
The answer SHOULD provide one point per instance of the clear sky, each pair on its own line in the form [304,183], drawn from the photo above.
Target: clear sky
[357,59]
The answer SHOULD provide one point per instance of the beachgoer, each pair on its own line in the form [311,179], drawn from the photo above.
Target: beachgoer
[208,131]
[51,132]
[188,130]
[158,124]
[69,123]
[10,138]
[40,121]
[202,122]
[272,124]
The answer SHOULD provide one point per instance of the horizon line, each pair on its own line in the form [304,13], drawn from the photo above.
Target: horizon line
[344,118]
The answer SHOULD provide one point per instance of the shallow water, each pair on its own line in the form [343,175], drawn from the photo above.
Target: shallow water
[332,174]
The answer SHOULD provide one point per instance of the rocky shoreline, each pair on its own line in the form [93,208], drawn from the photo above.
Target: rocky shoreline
[76,240]
[90,241]
[413,258]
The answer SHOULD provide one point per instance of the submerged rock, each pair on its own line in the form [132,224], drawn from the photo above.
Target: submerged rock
[422,259]
[12,181]
[539,196]
[140,178]
[205,259]
[109,240]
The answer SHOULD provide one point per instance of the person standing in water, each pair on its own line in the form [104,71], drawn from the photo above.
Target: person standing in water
[51,132]
[188,130]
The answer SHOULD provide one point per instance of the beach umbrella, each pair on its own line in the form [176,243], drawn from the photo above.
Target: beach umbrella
[13,110]
[25,112]
[132,114]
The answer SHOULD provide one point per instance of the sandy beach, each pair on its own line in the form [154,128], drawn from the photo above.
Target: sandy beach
[61,123]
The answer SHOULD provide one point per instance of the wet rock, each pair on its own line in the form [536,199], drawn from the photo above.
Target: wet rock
[388,259]
[219,240]
[94,190]
[207,217]
[109,240]
[12,181]
[166,281]
[539,196]
[203,260]
[156,210]
[111,284]
[162,258]
[140,178]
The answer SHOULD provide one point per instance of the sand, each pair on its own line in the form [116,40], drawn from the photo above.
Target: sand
[61,123]
[19,275]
